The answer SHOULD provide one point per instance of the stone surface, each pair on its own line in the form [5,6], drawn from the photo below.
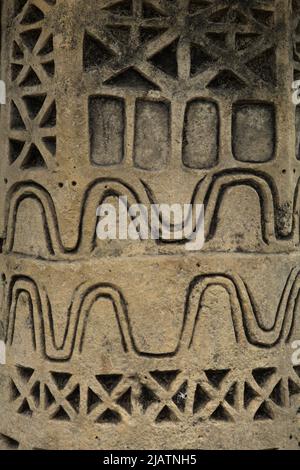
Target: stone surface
[138,344]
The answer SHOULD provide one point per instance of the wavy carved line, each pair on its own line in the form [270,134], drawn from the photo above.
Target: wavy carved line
[91,200]
[210,192]
[77,316]
[245,318]
[246,325]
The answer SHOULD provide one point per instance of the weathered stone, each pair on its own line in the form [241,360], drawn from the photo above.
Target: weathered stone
[142,344]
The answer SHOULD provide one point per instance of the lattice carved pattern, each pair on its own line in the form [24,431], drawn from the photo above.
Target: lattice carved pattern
[32,138]
[160,396]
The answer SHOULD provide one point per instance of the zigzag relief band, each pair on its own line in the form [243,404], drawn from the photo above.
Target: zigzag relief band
[163,396]
[186,335]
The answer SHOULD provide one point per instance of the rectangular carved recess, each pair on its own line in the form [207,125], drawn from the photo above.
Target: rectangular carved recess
[137,344]
[234,53]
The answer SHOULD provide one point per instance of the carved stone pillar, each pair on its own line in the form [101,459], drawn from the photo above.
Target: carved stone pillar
[143,344]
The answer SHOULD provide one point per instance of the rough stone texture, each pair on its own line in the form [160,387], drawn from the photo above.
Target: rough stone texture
[143,344]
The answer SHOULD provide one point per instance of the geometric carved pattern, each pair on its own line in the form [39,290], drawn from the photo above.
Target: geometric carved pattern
[211,191]
[225,31]
[32,138]
[244,315]
[231,51]
[184,85]
[8,443]
[160,396]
